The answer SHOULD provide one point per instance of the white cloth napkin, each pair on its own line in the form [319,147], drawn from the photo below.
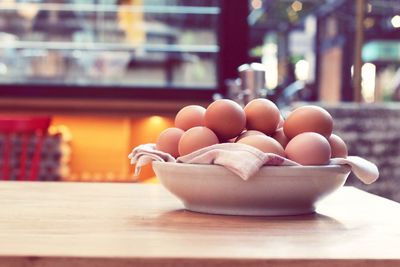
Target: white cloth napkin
[243,160]
[364,170]
[145,154]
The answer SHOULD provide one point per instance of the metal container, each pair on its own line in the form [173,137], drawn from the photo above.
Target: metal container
[252,78]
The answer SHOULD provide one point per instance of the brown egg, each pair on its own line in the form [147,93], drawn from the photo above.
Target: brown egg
[281,121]
[280,136]
[189,117]
[338,146]
[247,133]
[262,115]
[309,149]
[308,119]
[226,118]
[264,143]
[196,138]
[168,141]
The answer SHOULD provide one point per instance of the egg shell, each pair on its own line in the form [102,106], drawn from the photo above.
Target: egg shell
[226,118]
[309,149]
[308,119]
[168,141]
[196,138]
[338,147]
[280,136]
[262,115]
[264,143]
[247,133]
[189,117]
[281,122]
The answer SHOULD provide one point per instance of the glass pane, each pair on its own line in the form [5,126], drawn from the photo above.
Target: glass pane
[129,43]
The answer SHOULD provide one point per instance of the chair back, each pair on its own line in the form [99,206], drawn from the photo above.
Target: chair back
[21,140]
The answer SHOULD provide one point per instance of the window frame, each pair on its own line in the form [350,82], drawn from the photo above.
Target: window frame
[233,42]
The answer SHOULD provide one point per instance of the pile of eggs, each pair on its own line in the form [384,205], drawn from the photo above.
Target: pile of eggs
[304,137]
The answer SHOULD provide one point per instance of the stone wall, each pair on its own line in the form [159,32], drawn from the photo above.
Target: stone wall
[372,131]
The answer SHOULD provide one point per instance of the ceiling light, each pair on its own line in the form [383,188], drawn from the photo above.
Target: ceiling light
[395,21]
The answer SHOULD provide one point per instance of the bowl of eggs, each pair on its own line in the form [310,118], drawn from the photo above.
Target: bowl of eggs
[304,137]
[273,191]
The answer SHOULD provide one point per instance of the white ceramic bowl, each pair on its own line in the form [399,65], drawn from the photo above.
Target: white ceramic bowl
[272,191]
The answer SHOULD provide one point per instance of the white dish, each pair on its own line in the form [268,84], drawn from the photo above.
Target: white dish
[272,191]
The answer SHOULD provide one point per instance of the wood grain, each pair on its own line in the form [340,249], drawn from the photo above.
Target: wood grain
[89,224]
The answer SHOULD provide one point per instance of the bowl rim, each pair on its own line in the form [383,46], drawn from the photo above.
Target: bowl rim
[333,167]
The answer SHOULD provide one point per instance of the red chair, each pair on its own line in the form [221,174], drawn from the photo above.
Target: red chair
[25,127]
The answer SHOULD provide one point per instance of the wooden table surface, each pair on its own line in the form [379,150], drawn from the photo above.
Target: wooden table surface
[93,224]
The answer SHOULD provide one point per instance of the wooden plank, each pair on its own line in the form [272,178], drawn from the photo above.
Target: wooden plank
[91,224]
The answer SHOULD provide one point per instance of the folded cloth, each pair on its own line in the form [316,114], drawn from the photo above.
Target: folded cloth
[145,154]
[363,169]
[243,160]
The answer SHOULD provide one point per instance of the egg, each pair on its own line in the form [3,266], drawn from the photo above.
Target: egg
[280,136]
[309,149]
[338,146]
[308,119]
[226,118]
[189,117]
[264,143]
[168,141]
[247,133]
[262,115]
[281,121]
[196,138]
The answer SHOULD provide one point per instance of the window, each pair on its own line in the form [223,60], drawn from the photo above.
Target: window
[117,48]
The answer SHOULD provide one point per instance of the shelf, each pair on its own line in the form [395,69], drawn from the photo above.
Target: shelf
[193,10]
[81,50]
[56,106]
[110,47]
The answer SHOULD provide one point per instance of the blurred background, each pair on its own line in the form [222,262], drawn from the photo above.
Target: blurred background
[111,74]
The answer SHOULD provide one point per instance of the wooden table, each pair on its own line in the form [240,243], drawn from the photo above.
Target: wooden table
[83,224]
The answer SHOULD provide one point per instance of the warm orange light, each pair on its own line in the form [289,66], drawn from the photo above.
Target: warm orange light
[297,6]
[369,23]
[256,4]
[147,129]
[156,119]
[156,123]
[100,145]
